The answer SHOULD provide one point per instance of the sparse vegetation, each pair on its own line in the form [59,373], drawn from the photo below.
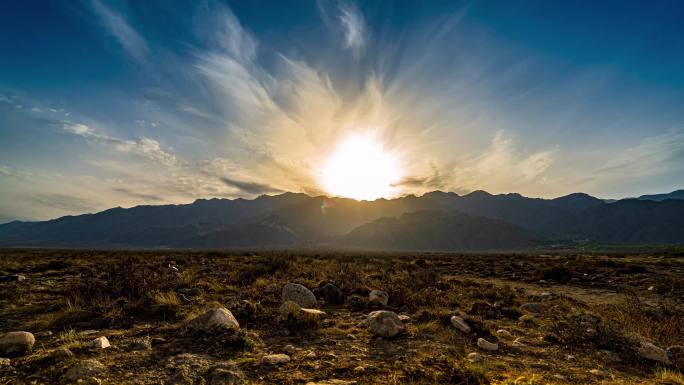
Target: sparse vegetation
[595,309]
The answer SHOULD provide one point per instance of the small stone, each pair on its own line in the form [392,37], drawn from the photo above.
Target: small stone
[15,344]
[486,345]
[597,372]
[359,369]
[532,307]
[527,321]
[61,353]
[275,359]
[99,343]
[474,357]
[560,377]
[214,318]
[225,374]
[298,294]
[505,334]
[404,318]
[289,350]
[384,323]
[459,324]
[83,370]
[311,354]
[651,352]
[378,298]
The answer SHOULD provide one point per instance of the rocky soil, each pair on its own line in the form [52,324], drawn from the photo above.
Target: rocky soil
[305,317]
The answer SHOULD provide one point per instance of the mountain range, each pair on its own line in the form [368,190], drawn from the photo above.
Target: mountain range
[434,221]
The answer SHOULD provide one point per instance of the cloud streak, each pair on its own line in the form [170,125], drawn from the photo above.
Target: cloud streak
[117,25]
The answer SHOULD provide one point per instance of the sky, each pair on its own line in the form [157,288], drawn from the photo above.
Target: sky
[115,103]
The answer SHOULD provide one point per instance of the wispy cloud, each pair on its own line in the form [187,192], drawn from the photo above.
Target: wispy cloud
[143,146]
[117,25]
[354,26]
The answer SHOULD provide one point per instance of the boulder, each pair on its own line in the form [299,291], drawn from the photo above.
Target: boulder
[275,359]
[299,294]
[219,318]
[330,293]
[486,345]
[83,370]
[459,324]
[15,344]
[651,352]
[378,298]
[384,323]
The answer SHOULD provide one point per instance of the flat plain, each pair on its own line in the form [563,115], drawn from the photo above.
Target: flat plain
[562,318]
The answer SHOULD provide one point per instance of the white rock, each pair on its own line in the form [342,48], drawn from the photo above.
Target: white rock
[378,297]
[17,343]
[385,323]
[486,345]
[99,343]
[505,334]
[651,352]
[299,294]
[275,359]
[459,324]
[215,318]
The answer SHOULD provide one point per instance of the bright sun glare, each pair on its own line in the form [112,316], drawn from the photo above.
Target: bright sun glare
[361,169]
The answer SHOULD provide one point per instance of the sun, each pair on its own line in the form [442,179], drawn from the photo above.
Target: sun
[361,169]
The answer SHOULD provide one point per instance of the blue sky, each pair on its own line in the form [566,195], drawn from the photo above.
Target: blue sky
[114,103]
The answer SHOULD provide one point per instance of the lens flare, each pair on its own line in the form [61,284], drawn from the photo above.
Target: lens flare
[361,169]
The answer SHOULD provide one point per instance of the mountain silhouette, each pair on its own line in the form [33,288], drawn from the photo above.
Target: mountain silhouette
[434,221]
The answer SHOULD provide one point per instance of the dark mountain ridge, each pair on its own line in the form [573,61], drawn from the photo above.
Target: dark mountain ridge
[476,220]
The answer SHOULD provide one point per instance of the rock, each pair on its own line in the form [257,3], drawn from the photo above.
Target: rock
[15,344]
[486,345]
[532,307]
[5,362]
[459,324]
[218,318]
[225,374]
[83,370]
[291,309]
[289,350]
[378,298]
[384,323]
[484,310]
[144,343]
[330,293]
[560,377]
[676,354]
[597,372]
[527,321]
[404,318]
[474,357]
[99,343]
[298,294]
[61,353]
[275,359]
[310,354]
[651,352]
[505,334]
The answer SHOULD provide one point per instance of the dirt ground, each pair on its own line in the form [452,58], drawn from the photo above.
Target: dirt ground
[588,318]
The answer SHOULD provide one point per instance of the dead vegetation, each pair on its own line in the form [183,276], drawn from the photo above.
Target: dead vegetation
[590,305]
